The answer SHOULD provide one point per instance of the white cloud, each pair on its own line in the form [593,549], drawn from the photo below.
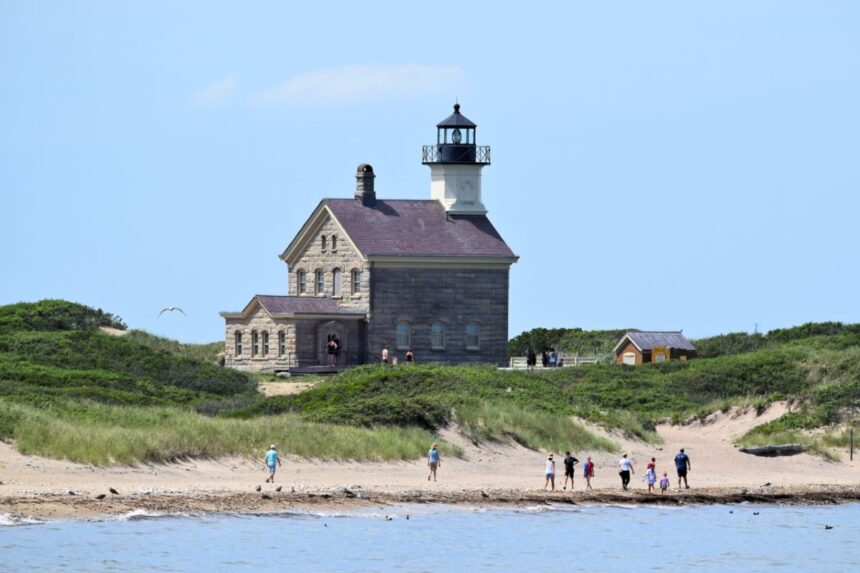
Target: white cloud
[216,94]
[351,84]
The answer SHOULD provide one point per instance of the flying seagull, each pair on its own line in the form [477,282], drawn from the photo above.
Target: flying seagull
[170,309]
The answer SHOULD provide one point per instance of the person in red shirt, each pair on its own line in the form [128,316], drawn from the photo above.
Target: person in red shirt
[588,472]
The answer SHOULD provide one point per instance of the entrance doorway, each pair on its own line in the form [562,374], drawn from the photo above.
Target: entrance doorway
[333,355]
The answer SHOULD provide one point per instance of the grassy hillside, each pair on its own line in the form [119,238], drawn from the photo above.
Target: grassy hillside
[211,352]
[69,390]
[816,367]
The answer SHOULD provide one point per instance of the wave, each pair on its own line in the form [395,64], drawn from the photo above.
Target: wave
[7,519]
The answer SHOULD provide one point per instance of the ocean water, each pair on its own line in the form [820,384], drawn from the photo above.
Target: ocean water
[442,538]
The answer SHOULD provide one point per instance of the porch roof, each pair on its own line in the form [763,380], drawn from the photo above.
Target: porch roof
[308,307]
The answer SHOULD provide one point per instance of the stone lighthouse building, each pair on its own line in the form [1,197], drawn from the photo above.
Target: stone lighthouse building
[430,276]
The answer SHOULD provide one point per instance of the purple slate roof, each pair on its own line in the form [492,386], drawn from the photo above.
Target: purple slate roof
[412,227]
[648,340]
[298,304]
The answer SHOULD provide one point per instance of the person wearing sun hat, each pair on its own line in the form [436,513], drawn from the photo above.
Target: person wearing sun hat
[550,473]
[433,462]
[272,460]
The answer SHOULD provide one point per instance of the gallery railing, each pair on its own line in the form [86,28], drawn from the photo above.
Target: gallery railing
[450,153]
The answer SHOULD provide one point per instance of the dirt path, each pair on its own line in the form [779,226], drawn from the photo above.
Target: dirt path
[284,387]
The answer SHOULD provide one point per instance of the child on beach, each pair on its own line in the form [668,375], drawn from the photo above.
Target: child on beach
[651,475]
[664,483]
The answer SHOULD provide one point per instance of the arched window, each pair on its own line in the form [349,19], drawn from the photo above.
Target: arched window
[473,336]
[356,281]
[282,343]
[336,287]
[322,242]
[437,336]
[237,343]
[403,335]
[265,343]
[334,243]
[319,281]
[302,282]
[255,343]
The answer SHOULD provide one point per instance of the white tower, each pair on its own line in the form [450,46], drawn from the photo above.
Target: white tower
[455,165]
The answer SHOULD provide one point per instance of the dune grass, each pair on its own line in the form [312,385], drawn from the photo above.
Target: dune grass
[818,444]
[537,430]
[123,435]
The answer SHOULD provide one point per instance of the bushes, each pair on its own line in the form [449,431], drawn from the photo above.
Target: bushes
[55,315]
[91,350]
[569,340]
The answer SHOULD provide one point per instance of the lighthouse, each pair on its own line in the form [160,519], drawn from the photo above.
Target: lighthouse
[455,164]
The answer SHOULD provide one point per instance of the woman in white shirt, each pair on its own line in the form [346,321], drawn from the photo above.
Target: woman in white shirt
[550,473]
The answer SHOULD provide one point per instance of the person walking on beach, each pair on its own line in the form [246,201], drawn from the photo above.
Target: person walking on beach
[588,472]
[682,464]
[272,460]
[433,462]
[385,359]
[550,473]
[569,462]
[664,483]
[651,474]
[625,469]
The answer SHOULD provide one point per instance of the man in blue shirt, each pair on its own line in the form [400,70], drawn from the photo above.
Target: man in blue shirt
[272,458]
[433,462]
[682,464]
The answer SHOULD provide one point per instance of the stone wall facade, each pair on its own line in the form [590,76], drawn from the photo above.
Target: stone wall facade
[453,297]
[259,322]
[304,342]
[337,254]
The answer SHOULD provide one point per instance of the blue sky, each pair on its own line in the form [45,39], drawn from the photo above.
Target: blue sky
[659,165]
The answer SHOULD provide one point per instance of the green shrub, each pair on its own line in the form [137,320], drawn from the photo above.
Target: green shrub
[55,315]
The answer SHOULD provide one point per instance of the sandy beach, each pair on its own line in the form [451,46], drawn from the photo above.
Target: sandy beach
[488,474]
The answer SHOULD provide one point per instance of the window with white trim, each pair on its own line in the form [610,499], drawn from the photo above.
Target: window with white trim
[282,343]
[302,282]
[473,336]
[356,281]
[319,281]
[265,343]
[255,343]
[437,336]
[403,335]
